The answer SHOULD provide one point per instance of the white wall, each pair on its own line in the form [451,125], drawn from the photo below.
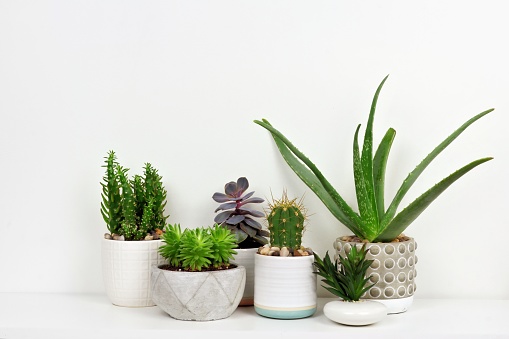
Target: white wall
[178,83]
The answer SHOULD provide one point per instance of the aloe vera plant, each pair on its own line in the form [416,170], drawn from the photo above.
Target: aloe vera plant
[348,281]
[373,221]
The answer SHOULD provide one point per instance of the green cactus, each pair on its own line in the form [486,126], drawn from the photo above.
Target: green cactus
[286,222]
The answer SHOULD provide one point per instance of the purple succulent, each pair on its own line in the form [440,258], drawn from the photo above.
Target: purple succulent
[237,217]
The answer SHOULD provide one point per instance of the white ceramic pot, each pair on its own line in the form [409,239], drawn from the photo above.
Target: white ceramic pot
[285,287]
[393,271]
[126,269]
[355,313]
[246,257]
[201,296]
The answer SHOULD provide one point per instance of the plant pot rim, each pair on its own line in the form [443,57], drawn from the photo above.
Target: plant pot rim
[302,257]
[132,240]
[378,242]
[237,266]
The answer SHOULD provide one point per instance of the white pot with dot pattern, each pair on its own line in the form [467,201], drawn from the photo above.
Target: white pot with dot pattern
[393,271]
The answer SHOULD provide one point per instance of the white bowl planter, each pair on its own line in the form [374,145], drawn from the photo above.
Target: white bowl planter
[393,271]
[246,257]
[285,287]
[202,296]
[355,313]
[126,270]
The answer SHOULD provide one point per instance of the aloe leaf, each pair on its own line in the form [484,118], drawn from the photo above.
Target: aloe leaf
[412,177]
[379,167]
[367,163]
[363,202]
[412,211]
[314,179]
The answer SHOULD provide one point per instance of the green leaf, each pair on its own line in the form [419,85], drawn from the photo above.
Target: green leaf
[371,218]
[410,213]
[412,177]
[363,201]
[314,179]
[379,167]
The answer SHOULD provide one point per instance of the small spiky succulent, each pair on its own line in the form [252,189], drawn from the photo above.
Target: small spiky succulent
[349,282]
[237,218]
[286,220]
[204,248]
[132,208]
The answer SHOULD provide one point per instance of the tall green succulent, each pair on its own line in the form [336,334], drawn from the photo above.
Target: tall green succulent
[134,207]
[198,249]
[286,222]
[349,282]
[111,202]
[373,221]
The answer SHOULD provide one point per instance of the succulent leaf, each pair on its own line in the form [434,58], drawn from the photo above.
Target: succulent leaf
[221,217]
[235,219]
[242,185]
[221,197]
[226,206]
[251,201]
[253,223]
[254,213]
[249,230]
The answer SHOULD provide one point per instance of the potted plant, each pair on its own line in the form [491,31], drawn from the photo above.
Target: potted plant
[349,282]
[241,221]
[133,211]
[380,226]
[285,286]
[199,283]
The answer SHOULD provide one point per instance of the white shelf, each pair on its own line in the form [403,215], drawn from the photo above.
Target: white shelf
[92,316]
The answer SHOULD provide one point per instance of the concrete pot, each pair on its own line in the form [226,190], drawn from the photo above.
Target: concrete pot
[393,271]
[246,257]
[285,287]
[200,296]
[126,270]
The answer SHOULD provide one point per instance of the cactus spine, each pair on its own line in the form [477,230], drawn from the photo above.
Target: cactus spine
[286,222]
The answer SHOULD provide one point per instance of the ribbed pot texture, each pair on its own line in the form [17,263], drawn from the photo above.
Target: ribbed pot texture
[285,287]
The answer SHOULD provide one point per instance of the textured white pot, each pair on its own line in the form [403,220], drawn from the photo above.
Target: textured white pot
[356,313]
[393,271]
[198,296]
[285,287]
[246,257]
[126,269]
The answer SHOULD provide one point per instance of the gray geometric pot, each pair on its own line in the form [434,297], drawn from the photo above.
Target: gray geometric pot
[201,296]
[393,271]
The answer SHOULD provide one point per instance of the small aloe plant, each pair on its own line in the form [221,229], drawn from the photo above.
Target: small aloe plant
[373,222]
[204,248]
[349,281]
